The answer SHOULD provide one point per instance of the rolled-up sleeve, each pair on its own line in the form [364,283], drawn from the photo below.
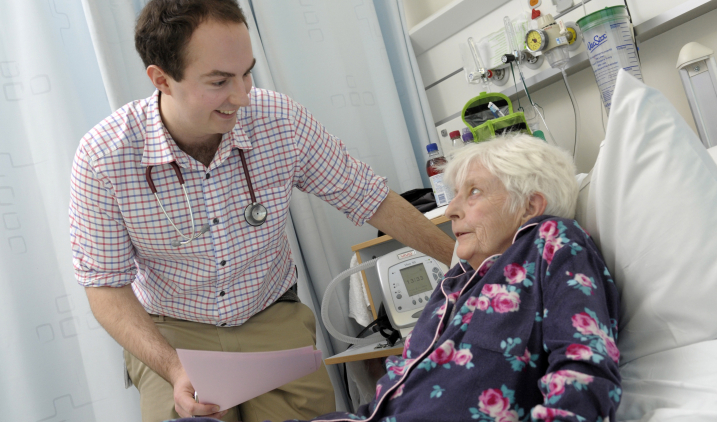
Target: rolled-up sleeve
[329,172]
[102,252]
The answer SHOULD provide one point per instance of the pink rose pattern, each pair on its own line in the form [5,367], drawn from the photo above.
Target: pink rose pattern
[499,298]
[548,414]
[553,384]
[444,353]
[486,265]
[551,239]
[518,362]
[600,338]
[406,347]
[497,405]
[492,402]
[579,352]
[447,354]
[581,282]
[514,273]
[397,367]
[398,392]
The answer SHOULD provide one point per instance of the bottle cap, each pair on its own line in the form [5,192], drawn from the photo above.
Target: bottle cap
[467,136]
[432,147]
[454,134]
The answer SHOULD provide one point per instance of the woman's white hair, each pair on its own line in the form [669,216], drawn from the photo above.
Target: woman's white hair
[525,165]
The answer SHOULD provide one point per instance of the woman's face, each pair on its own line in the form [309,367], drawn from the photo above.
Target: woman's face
[481,222]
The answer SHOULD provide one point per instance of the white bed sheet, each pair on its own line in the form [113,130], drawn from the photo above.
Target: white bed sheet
[674,385]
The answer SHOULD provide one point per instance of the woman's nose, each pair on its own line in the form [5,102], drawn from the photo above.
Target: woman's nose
[453,209]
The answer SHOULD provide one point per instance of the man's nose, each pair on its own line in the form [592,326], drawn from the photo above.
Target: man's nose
[240,95]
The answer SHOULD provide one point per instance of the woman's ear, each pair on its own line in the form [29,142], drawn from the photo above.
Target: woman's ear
[536,206]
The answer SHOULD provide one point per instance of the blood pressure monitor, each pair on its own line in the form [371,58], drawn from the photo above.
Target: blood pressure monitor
[407,279]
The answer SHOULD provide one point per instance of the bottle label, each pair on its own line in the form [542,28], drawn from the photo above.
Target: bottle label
[440,191]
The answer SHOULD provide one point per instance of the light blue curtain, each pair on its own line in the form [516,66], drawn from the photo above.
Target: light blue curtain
[58,363]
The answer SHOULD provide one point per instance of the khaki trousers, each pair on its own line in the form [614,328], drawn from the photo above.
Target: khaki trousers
[283,325]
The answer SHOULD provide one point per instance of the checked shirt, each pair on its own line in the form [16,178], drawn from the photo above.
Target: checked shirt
[120,236]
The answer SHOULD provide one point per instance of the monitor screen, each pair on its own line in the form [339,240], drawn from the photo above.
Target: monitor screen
[416,279]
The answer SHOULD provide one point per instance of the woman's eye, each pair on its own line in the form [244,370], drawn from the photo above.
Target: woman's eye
[475,191]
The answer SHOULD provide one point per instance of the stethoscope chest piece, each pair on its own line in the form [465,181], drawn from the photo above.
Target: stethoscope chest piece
[255,214]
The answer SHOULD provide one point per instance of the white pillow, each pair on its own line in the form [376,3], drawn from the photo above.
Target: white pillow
[653,212]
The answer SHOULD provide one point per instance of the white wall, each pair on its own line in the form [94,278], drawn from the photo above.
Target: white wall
[658,57]
[418,10]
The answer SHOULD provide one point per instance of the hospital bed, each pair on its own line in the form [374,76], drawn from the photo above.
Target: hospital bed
[650,204]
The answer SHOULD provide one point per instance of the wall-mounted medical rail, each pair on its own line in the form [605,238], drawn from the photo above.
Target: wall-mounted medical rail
[660,24]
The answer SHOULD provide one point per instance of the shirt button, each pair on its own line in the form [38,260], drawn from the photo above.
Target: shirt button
[223,263]
[222,293]
[208,175]
[215,221]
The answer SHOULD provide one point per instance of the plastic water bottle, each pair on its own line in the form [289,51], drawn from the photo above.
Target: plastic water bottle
[456,139]
[457,143]
[442,194]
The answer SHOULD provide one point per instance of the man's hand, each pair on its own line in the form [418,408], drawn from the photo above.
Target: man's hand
[184,402]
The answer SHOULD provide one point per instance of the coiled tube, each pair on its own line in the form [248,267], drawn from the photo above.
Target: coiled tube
[327,299]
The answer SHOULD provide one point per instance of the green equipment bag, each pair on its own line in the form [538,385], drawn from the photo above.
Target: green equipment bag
[484,125]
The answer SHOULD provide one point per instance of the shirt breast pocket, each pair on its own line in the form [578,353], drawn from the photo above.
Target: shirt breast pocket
[255,239]
[276,200]
[503,319]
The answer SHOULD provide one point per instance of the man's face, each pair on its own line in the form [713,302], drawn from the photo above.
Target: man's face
[217,81]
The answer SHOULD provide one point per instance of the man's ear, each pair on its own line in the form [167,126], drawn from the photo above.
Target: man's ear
[159,79]
[536,206]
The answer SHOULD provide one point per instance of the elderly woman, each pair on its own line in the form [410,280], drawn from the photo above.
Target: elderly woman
[524,327]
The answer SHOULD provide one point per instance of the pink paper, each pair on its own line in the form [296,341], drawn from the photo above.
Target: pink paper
[228,378]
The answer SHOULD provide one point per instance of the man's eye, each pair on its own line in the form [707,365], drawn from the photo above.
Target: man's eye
[220,83]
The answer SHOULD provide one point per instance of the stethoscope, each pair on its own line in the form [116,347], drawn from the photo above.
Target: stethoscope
[254,214]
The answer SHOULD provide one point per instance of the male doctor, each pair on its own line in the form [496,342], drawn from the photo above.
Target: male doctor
[159,233]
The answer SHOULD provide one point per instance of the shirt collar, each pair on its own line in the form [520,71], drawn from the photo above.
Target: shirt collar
[530,223]
[160,148]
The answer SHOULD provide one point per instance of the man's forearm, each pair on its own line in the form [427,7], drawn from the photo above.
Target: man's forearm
[402,221]
[124,318]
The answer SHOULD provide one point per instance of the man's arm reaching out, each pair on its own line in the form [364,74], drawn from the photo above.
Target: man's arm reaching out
[402,221]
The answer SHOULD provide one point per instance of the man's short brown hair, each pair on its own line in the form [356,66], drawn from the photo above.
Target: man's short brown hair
[164,28]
